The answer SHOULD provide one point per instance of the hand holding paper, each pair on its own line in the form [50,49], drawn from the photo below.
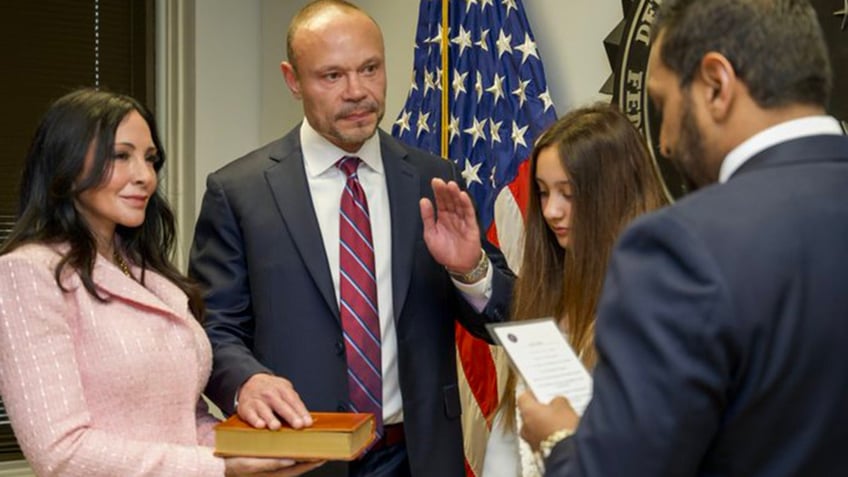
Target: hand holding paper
[541,420]
[545,360]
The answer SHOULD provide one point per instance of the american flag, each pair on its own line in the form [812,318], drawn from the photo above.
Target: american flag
[481,106]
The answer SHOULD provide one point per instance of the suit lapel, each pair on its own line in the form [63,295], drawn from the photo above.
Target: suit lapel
[805,150]
[287,180]
[157,293]
[403,186]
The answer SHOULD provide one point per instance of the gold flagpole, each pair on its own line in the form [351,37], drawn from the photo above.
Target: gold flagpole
[444,78]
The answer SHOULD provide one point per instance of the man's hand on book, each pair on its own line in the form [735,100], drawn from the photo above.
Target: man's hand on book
[251,466]
[263,397]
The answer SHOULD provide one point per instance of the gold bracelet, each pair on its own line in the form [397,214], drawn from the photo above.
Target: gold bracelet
[555,438]
[479,271]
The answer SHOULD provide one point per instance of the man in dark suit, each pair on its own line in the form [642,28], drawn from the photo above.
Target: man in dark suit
[267,250]
[723,318]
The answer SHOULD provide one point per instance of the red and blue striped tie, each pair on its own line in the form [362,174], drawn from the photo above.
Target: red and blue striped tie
[358,297]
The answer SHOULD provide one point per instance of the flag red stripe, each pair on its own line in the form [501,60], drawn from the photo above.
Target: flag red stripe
[479,370]
[519,187]
[469,472]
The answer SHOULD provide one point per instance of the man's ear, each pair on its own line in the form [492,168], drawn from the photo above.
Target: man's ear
[719,84]
[290,75]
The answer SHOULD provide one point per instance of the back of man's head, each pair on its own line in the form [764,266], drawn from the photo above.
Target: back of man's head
[776,47]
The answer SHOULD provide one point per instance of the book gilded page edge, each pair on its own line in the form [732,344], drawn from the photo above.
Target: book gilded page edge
[306,456]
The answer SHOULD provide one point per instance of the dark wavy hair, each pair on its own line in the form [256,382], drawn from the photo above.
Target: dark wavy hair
[52,181]
[776,47]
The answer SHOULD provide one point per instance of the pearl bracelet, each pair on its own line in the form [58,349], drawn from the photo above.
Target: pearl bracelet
[555,438]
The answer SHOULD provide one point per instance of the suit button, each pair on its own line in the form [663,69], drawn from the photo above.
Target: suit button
[340,349]
[342,407]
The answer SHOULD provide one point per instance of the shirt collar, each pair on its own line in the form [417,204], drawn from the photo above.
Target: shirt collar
[320,155]
[794,129]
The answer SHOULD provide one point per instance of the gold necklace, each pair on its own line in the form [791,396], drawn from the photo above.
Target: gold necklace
[122,264]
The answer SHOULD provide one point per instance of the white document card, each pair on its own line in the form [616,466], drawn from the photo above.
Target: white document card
[545,360]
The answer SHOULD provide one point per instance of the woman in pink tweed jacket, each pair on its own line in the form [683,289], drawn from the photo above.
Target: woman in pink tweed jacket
[101,360]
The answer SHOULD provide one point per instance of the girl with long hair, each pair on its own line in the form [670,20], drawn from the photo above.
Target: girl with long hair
[590,175]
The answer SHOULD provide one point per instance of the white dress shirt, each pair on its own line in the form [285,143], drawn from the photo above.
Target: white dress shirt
[794,129]
[326,183]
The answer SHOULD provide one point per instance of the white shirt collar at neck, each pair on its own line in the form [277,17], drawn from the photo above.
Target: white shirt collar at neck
[794,129]
[319,154]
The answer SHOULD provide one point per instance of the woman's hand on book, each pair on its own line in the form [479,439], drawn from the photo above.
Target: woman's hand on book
[253,466]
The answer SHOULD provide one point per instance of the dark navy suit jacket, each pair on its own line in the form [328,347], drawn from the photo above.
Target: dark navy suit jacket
[721,330]
[271,306]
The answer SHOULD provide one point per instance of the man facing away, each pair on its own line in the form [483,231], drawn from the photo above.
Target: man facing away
[723,317]
[336,260]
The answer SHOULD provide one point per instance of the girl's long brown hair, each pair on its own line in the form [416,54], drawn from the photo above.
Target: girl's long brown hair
[613,180]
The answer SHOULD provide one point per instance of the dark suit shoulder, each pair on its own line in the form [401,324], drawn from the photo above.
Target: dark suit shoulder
[791,176]
[777,217]
[776,199]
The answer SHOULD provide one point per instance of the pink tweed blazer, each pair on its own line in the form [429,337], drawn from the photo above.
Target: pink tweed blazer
[102,389]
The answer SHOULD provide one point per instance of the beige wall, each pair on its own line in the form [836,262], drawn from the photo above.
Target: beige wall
[15,469]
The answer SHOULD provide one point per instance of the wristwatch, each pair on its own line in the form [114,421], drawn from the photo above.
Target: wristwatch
[479,271]
[547,445]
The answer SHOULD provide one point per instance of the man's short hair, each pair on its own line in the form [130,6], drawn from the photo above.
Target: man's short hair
[776,47]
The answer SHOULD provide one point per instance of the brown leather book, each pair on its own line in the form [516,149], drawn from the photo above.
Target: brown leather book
[332,436]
